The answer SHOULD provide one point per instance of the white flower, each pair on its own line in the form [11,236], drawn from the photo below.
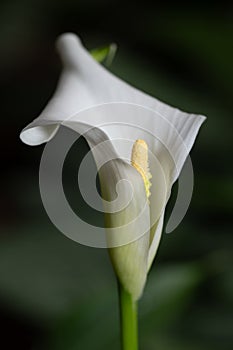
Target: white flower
[112,115]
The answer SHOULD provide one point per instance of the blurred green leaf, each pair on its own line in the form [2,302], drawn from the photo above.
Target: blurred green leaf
[105,53]
[168,291]
[44,274]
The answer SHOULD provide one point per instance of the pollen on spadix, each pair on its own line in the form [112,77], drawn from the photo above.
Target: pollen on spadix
[139,160]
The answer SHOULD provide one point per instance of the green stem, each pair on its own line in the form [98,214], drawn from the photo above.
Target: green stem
[128,317]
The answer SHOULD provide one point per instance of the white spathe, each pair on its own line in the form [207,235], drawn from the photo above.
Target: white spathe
[93,101]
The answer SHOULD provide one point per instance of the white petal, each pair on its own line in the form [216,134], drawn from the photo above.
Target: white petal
[83,84]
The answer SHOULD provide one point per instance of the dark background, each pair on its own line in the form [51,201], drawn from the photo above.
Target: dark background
[56,294]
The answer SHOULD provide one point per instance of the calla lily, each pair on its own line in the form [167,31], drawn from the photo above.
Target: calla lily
[112,115]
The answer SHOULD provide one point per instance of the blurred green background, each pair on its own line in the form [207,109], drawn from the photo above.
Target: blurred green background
[56,294]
